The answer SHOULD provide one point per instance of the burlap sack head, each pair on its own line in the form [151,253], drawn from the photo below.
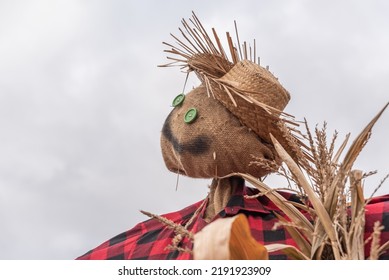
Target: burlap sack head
[216,144]
[249,91]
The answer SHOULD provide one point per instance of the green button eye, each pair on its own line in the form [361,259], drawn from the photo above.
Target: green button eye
[190,115]
[177,101]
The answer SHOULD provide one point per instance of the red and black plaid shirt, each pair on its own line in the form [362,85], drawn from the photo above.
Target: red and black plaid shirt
[148,240]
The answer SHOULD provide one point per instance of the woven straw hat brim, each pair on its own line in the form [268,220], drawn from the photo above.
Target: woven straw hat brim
[259,118]
[254,96]
[256,82]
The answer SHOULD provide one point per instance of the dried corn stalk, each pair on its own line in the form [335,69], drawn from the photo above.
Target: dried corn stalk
[332,189]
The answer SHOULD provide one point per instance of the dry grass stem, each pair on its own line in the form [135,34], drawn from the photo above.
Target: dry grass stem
[336,203]
[379,185]
[178,229]
[291,251]
[179,249]
[292,212]
[375,241]
[323,216]
[266,193]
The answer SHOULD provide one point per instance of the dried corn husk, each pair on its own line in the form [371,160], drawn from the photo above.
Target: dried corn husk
[228,239]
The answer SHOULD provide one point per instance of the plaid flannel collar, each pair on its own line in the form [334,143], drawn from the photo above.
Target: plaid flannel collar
[243,200]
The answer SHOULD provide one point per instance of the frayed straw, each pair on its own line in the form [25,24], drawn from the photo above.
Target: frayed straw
[375,241]
[180,231]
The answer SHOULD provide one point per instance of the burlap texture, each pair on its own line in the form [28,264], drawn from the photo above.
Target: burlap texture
[216,144]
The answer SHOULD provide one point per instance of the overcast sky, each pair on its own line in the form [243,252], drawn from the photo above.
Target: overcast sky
[82,103]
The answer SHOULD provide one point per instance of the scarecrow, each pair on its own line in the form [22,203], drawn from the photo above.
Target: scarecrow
[232,129]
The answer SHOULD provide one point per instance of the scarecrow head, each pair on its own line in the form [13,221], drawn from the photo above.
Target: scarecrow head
[224,125]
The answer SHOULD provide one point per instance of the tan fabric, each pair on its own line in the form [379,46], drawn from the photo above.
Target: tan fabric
[220,193]
[216,144]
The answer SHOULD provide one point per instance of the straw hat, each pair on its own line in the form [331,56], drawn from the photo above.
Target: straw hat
[249,91]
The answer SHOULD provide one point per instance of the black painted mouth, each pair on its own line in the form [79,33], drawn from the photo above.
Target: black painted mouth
[197,146]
